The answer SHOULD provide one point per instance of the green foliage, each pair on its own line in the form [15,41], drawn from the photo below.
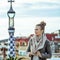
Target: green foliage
[11,58]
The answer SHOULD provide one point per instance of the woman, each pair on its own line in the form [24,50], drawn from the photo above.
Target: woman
[39,46]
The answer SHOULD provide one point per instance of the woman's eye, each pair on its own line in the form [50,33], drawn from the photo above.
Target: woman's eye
[36,29]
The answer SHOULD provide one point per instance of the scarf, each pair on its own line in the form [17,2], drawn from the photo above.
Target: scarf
[34,45]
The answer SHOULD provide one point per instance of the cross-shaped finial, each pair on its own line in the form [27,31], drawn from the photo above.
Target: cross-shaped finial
[11,1]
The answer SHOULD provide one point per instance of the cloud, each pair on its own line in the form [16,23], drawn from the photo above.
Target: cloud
[32,1]
[41,9]
[25,26]
[31,8]
[28,14]
[18,2]
[45,5]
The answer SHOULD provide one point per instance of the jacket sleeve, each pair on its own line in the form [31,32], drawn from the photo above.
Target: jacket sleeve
[28,48]
[47,53]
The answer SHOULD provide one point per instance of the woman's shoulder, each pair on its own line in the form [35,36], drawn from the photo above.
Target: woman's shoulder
[47,42]
[32,37]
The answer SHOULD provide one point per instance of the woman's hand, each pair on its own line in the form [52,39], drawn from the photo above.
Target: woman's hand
[30,54]
[38,53]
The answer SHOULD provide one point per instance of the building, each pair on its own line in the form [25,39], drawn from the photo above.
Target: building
[21,44]
[3,49]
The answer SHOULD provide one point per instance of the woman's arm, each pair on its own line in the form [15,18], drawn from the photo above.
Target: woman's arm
[29,53]
[28,48]
[48,51]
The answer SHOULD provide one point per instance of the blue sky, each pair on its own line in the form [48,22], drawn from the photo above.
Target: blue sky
[28,14]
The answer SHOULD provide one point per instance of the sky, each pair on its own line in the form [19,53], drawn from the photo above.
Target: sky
[28,14]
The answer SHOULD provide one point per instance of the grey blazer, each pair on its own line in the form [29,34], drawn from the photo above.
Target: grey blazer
[45,51]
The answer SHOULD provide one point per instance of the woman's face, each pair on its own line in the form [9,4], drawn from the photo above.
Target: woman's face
[38,31]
